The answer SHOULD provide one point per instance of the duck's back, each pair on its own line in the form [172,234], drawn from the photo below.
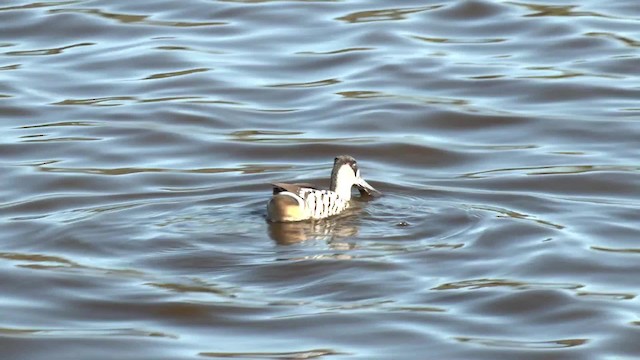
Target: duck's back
[323,203]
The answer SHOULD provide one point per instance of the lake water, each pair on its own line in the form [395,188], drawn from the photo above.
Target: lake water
[138,140]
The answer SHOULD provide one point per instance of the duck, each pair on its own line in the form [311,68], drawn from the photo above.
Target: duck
[300,202]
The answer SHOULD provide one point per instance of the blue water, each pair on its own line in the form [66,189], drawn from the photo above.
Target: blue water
[138,141]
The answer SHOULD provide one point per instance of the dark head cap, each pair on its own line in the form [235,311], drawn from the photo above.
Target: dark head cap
[345,160]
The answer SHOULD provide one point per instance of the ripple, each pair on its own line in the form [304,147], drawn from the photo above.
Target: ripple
[175,73]
[335,52]
[10,67]
[259,135]
[289,137]
[128,100]
[457,41]
[554,170]
[49,262]
[311,84]
[385,14]
[199,287]
[304,354]
[276,1]
[247,169]
[365,94]
[39,138]
[516,215]
[105,101]
[503,343]
[137,19]
[624,40]
[83,333]
[617,250]
[491,283]
[555,10]
[50,51]
[59,124]
[472,10]
[39,5]
[606,296]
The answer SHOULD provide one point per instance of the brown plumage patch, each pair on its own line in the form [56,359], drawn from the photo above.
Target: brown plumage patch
[284,208]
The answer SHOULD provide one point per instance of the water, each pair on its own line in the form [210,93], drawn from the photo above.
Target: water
[139,138]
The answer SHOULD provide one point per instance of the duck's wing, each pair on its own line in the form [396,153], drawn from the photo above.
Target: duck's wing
[292,188]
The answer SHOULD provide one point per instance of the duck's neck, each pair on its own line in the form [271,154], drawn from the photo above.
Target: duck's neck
[341,183]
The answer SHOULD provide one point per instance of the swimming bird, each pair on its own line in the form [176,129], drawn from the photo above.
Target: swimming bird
[298,202]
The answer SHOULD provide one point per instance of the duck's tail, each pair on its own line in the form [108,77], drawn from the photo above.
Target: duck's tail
[285,207]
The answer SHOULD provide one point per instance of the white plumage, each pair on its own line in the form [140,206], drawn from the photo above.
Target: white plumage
[297,202]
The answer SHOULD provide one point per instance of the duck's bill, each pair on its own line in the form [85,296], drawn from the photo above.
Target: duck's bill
[364,187]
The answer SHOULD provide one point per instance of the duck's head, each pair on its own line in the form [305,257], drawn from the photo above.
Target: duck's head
[345,174]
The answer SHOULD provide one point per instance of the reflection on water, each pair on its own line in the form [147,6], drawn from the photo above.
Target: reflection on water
[484,283]
[384,14]
[139,139]
[555,10]
[135,19]
[306,354]
[295,232]
[552,344]
[43,52]
[47,333]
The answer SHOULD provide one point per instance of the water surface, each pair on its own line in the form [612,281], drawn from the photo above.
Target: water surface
[138,141]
